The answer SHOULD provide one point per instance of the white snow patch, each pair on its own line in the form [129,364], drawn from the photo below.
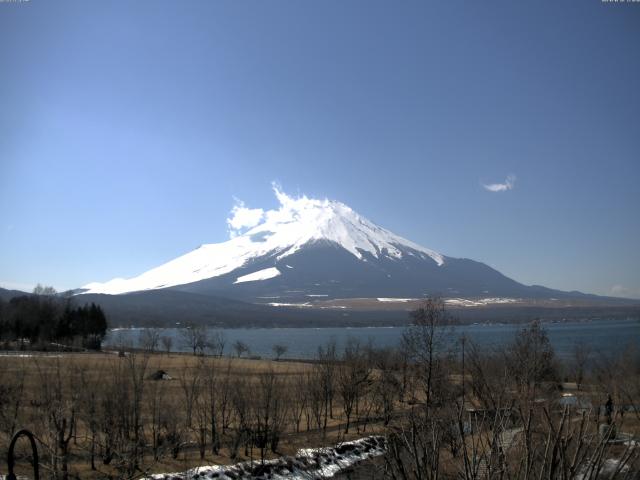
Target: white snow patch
[308,463]
[609,467]
[28,355]
[274,304]
[396,299]
[479,302]
[264,274]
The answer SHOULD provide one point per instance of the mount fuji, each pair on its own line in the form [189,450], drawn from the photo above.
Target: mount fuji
[313,251]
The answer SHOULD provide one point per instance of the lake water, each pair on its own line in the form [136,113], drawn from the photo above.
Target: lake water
[601,335]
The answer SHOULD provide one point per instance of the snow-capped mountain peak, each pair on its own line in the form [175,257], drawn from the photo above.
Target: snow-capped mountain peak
[281,232]
[301,220]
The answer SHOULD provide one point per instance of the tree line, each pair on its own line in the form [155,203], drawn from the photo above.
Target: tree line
[46,320]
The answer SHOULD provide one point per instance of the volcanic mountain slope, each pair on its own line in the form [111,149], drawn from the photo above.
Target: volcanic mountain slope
[320,249]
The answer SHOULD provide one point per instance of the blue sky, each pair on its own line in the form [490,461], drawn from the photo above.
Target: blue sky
[127,129]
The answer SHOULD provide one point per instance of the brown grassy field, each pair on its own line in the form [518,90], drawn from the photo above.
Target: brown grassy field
[77,373]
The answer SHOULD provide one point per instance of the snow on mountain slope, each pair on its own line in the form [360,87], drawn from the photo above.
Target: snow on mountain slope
[264,274]
[282,232]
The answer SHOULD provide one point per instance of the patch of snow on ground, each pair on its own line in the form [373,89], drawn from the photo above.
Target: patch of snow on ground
[274,304]
[264,274]
[308,463]
[396,299]
[479,302]
[608,468]
[12,354]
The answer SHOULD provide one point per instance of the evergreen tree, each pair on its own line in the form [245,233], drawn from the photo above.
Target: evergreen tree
[46,317]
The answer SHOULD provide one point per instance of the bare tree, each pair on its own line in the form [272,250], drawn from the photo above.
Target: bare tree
[240,348]
[44,291]
[12,384]
[317,398]
[136,367]
[202,410]
[120,415]
[490,378]
[424,343]
[629,386]
[224,397]
[214,398]
[326,369]
[167,343]
[299,395]
[581,354]
[217,343]
[194,337]
[111,408]
[61,413]
[240,400]
[173,427]
[353,376]
[149,339]
[190,379]
[386,387]
[268,412]
[88,403]
[279,350]
[531,359]
[617,374]
[156,400]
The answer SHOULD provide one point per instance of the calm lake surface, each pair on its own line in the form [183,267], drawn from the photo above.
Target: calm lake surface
[602,335]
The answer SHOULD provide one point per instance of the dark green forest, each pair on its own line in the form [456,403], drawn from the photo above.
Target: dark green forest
[46,320]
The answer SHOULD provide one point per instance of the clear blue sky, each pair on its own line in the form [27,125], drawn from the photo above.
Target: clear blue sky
[127,127]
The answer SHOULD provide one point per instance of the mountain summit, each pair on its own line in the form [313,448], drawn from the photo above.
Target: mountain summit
[310,248]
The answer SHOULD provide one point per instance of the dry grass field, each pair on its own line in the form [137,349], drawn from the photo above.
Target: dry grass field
[75,387]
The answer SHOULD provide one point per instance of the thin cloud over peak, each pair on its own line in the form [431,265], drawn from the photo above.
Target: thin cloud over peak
[625,292]
[508,184]
[242,217]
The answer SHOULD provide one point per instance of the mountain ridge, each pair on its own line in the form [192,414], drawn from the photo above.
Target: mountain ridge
[309,248]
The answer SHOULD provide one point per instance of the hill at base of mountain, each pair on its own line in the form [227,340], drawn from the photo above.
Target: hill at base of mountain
[170,308]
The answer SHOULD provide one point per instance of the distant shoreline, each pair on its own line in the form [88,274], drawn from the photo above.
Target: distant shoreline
[289,317]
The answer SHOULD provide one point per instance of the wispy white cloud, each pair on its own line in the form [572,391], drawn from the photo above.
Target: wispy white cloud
[626,292]
[242,217]
[284,199]
[508,184]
